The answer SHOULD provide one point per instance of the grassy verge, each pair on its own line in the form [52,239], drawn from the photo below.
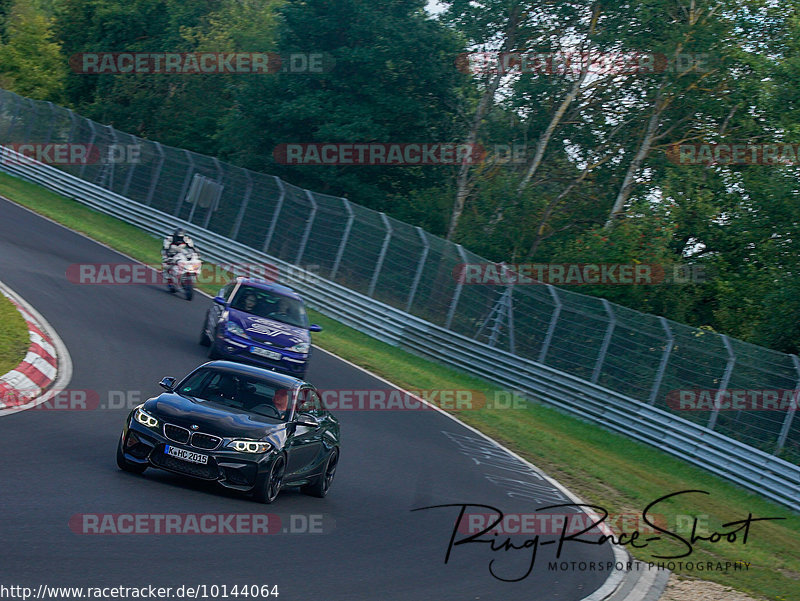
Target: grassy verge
[604,468]
[14,341]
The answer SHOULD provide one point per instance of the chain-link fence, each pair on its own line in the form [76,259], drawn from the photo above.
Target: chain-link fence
[645,357]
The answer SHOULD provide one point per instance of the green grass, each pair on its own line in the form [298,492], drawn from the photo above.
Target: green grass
[602,467]
[14,340]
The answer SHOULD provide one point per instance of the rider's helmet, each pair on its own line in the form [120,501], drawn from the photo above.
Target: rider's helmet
[179,236]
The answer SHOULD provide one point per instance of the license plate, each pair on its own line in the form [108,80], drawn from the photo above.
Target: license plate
[189,456]
[262,352]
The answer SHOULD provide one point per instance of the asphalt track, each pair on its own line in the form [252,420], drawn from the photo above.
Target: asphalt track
[55,464]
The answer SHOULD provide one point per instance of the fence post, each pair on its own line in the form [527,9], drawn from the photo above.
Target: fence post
[548,338]
[154,180]
[107,167]
[52,122]
[31,119]
[278,207]
[726,376]
[12,122]
[381,256]
[248,191]
[787,421]
[73,125]
[185,188]
[420,266]
[309,225]
[89,145]
[129,177]
[662,366]
[612,320]
[345,237]
[457,292]
[215,203]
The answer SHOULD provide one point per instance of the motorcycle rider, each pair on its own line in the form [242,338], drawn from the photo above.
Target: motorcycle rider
[178,242]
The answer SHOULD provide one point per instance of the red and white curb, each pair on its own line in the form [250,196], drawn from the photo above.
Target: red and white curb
[46,364]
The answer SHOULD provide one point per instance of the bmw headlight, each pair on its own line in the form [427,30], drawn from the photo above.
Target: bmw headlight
[301,347]
[235,329]
[144,418]
[249,446]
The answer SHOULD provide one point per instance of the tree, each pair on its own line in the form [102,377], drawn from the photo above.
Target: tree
[31,61]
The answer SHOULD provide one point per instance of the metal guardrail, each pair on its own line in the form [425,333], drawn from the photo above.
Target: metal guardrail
[753,469]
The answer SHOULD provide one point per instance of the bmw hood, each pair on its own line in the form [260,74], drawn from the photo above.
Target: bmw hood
[262,329]
[211,418]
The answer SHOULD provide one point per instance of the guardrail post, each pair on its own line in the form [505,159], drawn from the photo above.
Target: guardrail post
[309,225]
[345,238]
[278,207]
[726,377]
[245,201]
[787,421]
[612,320]
[426,247]
[89,145]
[381,256]
[457,292]
[662,366]
[186,181]
[154,180]
[548,338]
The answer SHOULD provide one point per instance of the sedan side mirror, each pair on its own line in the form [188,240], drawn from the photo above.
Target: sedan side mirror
[307,420]
[220,300]
[167,383]
[314,328]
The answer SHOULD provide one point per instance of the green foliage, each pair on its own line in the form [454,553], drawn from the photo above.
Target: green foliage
[31,61]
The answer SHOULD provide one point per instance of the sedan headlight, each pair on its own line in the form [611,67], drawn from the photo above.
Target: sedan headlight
[301,347]
[235,329]
[144,418]
[249,446]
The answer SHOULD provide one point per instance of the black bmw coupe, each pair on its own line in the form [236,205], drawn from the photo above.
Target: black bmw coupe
[247,428]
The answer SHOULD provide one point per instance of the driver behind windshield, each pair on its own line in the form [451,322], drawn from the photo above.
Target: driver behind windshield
[277,307]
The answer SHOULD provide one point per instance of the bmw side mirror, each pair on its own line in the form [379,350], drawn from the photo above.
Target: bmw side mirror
[220,300]
[167,383]
[314,328]
[307,420]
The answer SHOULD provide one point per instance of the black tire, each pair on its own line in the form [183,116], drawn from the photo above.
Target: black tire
[212,351]
[204,339]
[271,486]
[125,465]
[189,292]
[322,484]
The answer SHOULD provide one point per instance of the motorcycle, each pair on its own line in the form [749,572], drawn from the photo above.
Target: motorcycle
[182,272]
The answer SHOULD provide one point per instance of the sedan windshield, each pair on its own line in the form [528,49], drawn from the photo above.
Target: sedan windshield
[236,391]
[264,303]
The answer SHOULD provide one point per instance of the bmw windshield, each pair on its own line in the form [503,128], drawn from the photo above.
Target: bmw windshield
[236,391]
